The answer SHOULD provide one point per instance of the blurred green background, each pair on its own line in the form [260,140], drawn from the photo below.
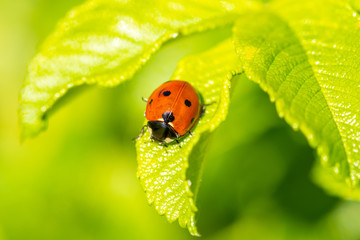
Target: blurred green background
[78,179]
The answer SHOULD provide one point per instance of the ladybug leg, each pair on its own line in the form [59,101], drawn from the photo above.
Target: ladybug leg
[203,108]
[141,133]
[164,145]
[191,133]
[178,143]
[144,99]
[208,104]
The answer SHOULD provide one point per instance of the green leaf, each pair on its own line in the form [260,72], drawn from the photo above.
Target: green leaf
[355,4]
[305,55]
[162,170]
[106,42]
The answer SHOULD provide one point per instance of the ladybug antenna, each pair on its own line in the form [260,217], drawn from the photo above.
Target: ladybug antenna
[141,133]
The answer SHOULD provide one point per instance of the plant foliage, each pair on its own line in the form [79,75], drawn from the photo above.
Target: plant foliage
[307,62]
[304,54]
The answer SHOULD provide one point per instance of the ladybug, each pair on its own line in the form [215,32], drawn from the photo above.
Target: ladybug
[172,110]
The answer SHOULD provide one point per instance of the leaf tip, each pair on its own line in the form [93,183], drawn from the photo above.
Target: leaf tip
[31,121]
[192,227]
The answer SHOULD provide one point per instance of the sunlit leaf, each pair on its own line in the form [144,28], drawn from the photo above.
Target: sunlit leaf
[355,4]
[162,170]
[308,62]
[106,42]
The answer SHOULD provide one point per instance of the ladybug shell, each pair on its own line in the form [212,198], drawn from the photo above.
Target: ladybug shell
[179,98]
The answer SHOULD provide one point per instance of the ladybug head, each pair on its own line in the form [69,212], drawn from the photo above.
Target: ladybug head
[161,130]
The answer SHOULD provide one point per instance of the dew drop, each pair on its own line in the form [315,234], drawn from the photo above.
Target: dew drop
[353,178]
[116,42]
[189,183]
[310,137]
[295,126]
[174,35]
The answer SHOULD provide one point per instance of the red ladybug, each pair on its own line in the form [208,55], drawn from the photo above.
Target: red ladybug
[172,110]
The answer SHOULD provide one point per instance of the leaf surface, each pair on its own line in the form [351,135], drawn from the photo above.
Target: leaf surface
[309,64]
[162,170]
[106,42]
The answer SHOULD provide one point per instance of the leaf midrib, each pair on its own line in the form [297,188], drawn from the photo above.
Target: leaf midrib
[340,136]
[301,44]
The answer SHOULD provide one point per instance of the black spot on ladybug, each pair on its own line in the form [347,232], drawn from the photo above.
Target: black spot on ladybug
[192,120]
[168,116]
[166,93]
[151,101]
[187,103]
